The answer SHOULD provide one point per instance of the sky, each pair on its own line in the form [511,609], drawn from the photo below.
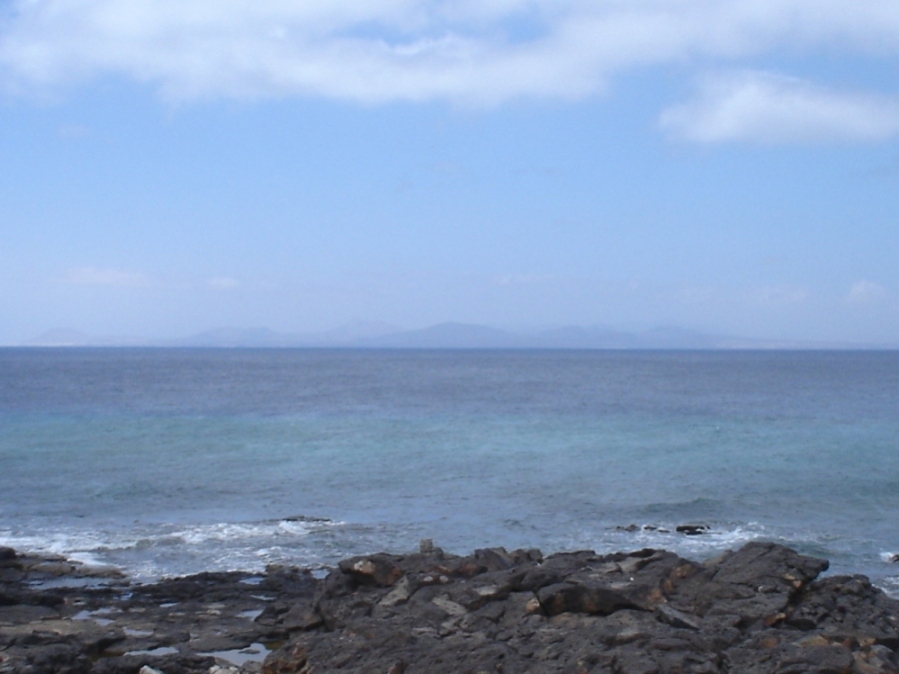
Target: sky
[173,166]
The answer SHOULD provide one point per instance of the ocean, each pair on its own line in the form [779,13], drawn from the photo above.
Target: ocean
[172,461]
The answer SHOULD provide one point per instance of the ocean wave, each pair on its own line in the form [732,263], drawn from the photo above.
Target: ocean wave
[246,531]
[147,552]
[713,537]
[890,585]
[62,543]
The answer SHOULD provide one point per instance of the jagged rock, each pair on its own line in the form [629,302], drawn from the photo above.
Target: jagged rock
[302,616]
[170,664]
[399,594]
[575,597]
[648,611]
[289,660]
[847,607]
[676,618]
[755,584]
[757,610]
[146,669]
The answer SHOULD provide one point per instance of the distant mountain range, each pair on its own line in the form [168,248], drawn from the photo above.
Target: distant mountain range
[442,336]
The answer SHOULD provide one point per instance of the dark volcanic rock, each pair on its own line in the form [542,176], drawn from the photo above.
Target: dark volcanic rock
[90,620]
[759,610]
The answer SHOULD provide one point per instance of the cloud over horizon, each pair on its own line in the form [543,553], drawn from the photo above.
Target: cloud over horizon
[866,292]
[721,164]
[771,108]
[466,53]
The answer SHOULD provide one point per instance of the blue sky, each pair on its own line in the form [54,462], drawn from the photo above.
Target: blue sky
[169,166]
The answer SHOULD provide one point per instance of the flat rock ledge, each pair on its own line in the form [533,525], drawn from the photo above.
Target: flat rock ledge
[760,609]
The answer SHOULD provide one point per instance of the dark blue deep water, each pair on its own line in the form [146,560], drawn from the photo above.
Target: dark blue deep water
[167,461]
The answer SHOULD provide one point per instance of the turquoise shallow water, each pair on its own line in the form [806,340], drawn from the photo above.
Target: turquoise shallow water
[174,461]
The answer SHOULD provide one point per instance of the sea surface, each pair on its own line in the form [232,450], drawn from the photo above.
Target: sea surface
[172,461]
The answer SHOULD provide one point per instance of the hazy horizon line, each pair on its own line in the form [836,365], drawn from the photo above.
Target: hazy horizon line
[447,335]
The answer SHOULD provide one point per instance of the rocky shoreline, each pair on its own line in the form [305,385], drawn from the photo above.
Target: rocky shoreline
[759,609]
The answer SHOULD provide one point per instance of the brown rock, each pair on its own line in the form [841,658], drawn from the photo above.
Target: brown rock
[379,570]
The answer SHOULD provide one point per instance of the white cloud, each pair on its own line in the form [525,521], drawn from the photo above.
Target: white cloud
[223,283]
[104,277]
[866,292]
[769,108]
[383,50]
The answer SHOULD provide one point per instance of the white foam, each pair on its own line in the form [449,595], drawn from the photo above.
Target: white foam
[81,545]
[147,552]
[716,538]
[76,545]
[86,558]
[890,585]
[229,531]
[299,528]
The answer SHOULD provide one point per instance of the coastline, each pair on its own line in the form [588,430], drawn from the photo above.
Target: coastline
[761,608]
[181,462]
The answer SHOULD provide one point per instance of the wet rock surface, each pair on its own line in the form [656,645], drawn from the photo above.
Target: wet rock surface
[762,608]
[58,616]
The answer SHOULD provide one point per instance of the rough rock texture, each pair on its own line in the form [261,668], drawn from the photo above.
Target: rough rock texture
[754,610]
[57,616]
[757,610]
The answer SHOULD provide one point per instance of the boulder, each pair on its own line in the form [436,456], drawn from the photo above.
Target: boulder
[378,570]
